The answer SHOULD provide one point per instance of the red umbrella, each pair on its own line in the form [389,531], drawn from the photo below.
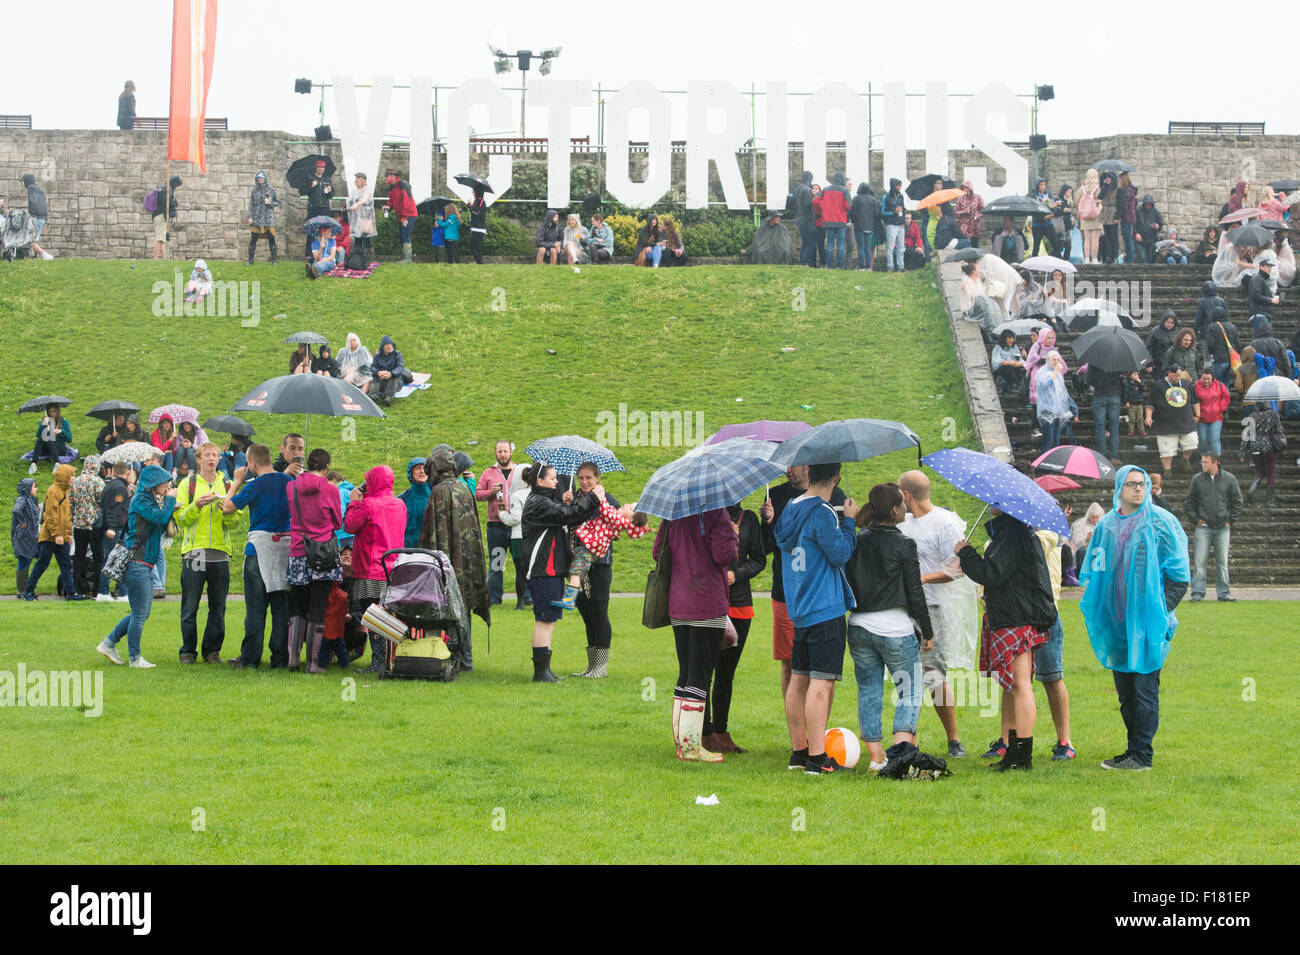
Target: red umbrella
[1051,483]
[1241,215]
[1076,460]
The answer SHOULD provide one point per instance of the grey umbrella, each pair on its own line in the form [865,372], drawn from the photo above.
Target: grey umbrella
[965,255]
[229,424]
[1112,165]
[1014,206]
[108,410]
[853,439]
[308,395]
[1252,234]
[43,402]
[306,338]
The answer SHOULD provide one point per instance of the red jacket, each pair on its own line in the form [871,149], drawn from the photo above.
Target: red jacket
[400,200]
[1213,400]
[818,219]
[835,207]
[912,238]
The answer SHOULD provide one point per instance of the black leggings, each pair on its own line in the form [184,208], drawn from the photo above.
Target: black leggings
[595,609]
[697,654]
[476,246]
[449,246]
[311,600]
[718,705]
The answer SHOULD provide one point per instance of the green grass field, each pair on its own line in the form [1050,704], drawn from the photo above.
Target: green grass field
[280,767]
[703,341]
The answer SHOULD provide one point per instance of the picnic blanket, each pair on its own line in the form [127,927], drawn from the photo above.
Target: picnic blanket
[419,381]
[71,454]
[341,272]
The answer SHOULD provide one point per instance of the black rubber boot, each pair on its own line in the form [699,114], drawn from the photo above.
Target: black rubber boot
[252,247]
[378,653]
[542,666]
[270,238]
[20,577]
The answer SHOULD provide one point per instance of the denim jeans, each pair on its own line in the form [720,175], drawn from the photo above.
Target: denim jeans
[863,240]
[139,591]
[194,574]
[498,541]
[405,231]
[1176,260]
[836,237]
[256,602]
[1105,417]
[1222,370]
[807,242]
[654,253]
[46,550]
[1207,436]
[1146,252]
[160,569]
[1202,538]
[1051,433]
[871,655]
[1128,229]
[894,248]
[1139,706]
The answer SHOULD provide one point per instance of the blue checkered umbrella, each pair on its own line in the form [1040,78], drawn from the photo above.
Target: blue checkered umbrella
[566,452]
[709,477]
[997,483]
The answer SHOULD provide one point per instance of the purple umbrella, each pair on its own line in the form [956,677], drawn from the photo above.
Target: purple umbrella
[774,431]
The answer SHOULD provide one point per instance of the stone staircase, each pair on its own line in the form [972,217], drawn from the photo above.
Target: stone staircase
[1265,545]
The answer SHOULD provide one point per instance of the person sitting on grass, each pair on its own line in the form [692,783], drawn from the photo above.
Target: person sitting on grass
[324,363]
[575,238]
[592,540]
[550,237]
[53,435]
[199,286]
[600,241]
[649,242]
[389,370]
[326,254]
[354,364]
[674,248]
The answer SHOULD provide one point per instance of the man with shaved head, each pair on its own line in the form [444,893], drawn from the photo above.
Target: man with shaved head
[936,530]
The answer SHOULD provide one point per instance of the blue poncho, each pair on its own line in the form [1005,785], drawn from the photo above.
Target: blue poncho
[1123,573]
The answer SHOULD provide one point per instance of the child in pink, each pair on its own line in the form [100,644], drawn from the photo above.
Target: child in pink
[592,543]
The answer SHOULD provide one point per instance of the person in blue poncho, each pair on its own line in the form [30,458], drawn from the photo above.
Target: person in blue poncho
[416,499]
[1134,573]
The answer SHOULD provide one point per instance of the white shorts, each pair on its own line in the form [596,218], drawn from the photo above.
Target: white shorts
[1169,444]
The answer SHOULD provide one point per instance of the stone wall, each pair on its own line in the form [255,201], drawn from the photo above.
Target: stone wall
[95,180]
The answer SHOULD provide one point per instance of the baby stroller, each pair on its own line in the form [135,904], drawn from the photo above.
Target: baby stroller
[18,236]
[422,616]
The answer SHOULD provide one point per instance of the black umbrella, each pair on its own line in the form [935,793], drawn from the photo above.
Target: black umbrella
[229,424]
[1272,225]
[855,439]
[477,183]
[1252,234]
[965,255]
[1014,206]
[308,395]
[43,402]
[108,410]
[1112,165]
[304,170]
[1285,185]
[306,338]
[922,186]
[434,207]
[1112,348]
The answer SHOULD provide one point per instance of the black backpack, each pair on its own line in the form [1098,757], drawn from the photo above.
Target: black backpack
[356,261]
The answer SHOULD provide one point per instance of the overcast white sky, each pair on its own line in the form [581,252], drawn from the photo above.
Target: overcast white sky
[1109,68]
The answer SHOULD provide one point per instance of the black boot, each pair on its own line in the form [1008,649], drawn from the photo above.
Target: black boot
[542,666]
[252,247]
[1271,500]
[21,580]
[1009,759]
[378,655]
[270,238]
[1025,756]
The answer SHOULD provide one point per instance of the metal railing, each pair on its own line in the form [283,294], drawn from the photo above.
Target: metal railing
[16,122]
[210,124]
[1215,129]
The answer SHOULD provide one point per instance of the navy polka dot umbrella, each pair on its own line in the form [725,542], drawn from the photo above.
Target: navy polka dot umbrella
[999,485]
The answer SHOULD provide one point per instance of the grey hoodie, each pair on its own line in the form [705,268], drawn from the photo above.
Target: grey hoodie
[803,199]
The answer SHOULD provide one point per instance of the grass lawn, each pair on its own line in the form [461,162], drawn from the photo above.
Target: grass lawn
[701,341]
[280,767]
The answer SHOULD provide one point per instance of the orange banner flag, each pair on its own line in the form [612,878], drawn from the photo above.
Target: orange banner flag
[194,38]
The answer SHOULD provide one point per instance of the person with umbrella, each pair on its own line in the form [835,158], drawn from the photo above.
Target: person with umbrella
[53,435]
[361,216]
[1009,244]
[319,189]
[451,525]
[326,254]
[815,545]
[1134,573]
[150,509]
[1107,200]
[478,226]
[1107,392]
[262,203]
[545,521]
[1018,614]
[401,203]
[111,434]
[1126,206]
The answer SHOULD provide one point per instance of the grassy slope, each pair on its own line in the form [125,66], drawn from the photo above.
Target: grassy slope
[285,770]
[691,340]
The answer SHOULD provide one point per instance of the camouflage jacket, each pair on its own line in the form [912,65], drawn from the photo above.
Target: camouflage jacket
[451,525]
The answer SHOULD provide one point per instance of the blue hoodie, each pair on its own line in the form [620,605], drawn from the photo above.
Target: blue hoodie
[815,545]
[345,492]
[416,499]
[144,506]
